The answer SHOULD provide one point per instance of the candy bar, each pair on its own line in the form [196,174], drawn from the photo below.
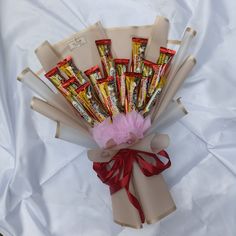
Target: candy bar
[94,74]
[86,97]
[108,90]
[67,66]
[132,81]
[138,50]
[121,66]
[163,62]
[62,83]
[104,49]
[159,78]
[147,74]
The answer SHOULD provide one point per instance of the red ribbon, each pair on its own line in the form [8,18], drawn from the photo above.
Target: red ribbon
[117,172]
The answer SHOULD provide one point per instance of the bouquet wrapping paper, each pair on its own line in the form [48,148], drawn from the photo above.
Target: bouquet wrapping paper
[139,193]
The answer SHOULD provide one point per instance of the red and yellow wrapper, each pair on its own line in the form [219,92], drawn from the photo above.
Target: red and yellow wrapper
[64,85]
[69,69]
[87,98]
[108,90]
[159,78]
[104,49]
[138,51]
[121,66]
[147,74]
[94,74]
[163,62]
[132,81]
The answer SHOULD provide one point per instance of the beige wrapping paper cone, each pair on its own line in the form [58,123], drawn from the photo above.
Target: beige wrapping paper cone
[178,80]
[47,56]
[152,192]
[75,135]
[54,113]
[124,213]
[181,54]
[30,79]
[154,195]
[81,46]
[158,38]
[174,112]
[122,37]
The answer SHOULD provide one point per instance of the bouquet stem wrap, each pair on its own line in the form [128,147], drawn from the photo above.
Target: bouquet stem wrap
[117,172]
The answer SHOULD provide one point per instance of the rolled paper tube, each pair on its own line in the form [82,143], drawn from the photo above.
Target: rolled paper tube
[182,52]
[157,39]
[30,79]
[55,114]
[174,42]
[179,78]
[47,56]
[154,196]
[75,135]
[174,112]
[180,56]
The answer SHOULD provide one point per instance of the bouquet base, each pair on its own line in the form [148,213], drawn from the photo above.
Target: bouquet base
[153,195]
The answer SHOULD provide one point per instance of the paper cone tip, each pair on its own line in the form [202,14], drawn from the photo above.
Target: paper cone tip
[57,135]
[20,77]
[191,30]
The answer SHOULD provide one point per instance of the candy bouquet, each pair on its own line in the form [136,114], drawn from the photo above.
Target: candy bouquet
[111,91]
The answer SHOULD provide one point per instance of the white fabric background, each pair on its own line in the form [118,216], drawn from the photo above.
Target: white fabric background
[47,186]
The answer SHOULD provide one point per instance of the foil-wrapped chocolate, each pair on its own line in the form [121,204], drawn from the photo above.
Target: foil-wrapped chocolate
[63,85]
[107,87]
[147,74]
[121,66]
[86,97]
[68,67]
[138,51]
[104,49]
[159,78]
[132,81]
[94,74]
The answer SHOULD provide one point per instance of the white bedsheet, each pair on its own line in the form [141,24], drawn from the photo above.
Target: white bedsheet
[48,187]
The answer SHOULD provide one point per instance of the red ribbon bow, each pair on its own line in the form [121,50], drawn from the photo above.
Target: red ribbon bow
[117,172]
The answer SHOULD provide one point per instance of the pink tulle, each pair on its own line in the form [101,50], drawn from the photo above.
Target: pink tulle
[126,128]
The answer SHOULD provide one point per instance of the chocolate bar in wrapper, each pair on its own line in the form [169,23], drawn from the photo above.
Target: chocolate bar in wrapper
[132,81]
[154,81]
[67,66]
[104,49]
[147,74]
[163,61]
[63,84]
[108,90]
[121,66]
[166,55]
[94,74]
[159,78]
[151,102]
[138,51]
[87,98]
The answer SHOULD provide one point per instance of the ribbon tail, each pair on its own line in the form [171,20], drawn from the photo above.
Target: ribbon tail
[135,203]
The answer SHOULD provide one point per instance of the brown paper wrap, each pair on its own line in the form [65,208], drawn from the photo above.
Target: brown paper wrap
[79,44]
[152,192]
